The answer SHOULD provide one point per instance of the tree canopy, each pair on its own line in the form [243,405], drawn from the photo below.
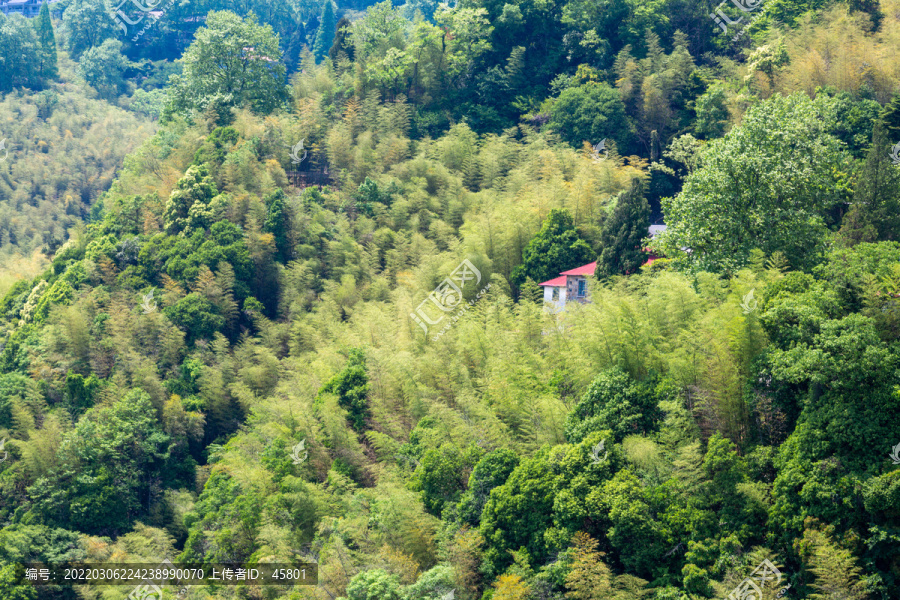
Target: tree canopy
[555,248]
[211,354]
[235,59]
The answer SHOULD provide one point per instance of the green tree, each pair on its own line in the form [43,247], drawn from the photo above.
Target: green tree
[231,58]
[490,472]
[197,316]
[854,119]
[890,117]
[556,248]
[623,233]
[531,291]
[19,53]
[876,202]
[441,476]
[343,42]
[195,189]
[518,512]
[224,522]
[80,392]
[103,67]
[325,33]
[590,113]
[433,584]
[9,575]
[367,195]
[376,584]
[636,535]
[148,104]
[110,467]
[613,402]
[769,184]
[351,386]
[16,388]
[728,473]
[278,223]
[216,147]
[712,113]
[847,373]
[38,543]
[46,69]
[87,25]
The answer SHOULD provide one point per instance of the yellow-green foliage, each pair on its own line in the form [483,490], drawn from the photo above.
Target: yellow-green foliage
[64,151]
[839,49]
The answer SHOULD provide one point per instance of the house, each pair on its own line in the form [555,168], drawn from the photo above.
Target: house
[26,8]
[654,230]
[572,284]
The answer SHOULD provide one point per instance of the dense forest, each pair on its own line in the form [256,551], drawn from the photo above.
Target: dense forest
[220,222]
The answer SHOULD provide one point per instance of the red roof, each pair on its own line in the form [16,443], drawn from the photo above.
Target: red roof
[587,269]
[558,282]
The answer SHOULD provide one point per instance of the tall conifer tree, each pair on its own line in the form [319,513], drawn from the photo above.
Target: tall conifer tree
[325,34]
[47,40]
[342,40]
[876,201]
[623,232]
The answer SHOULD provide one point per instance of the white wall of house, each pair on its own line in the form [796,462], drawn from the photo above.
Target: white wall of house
[555,297]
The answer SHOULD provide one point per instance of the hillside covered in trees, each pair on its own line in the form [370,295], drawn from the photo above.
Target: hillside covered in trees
[270,294]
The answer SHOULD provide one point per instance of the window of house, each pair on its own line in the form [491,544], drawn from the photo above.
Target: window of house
[582,287]
[556,294]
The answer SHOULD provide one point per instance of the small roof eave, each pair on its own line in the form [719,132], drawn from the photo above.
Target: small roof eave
[556,282]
